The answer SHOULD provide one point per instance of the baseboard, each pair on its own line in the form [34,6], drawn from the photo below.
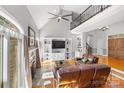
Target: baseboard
[119,72]
[103,55]
[117,76]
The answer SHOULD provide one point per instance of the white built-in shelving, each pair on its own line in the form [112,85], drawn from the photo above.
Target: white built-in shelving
[57,54]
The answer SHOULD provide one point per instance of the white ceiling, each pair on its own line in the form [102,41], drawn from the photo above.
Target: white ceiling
[76,8]
[40,12]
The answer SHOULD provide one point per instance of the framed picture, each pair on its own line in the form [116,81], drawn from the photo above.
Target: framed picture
[31,37]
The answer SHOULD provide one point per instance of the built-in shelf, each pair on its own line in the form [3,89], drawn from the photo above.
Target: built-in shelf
[79,46]
[57,54]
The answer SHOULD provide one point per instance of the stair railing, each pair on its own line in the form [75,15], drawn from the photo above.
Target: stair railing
[88,49]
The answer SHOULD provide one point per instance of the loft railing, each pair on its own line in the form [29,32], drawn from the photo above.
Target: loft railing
[91,11]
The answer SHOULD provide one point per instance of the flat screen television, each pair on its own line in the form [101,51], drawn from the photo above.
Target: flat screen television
[58,44]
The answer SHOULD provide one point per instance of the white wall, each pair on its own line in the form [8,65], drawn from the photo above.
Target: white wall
[97,41]
[21,13]
[114,29]
[117,28]
[58,29]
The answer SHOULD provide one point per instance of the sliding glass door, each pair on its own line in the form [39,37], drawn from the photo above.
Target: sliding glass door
[12,71]
[10,60]
[1,62]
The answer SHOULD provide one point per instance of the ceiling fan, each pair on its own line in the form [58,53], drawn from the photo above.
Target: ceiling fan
[60,15]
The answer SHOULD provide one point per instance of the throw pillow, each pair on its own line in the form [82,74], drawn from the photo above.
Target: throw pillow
[90,59]
[84,60]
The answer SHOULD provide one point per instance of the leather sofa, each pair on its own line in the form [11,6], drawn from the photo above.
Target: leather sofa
[83,75]
[68,76]
[86,75]
[101,74]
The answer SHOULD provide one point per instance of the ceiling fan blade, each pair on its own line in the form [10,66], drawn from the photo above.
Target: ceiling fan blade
[53,17]
[67,15]
[52,14]
[65,19]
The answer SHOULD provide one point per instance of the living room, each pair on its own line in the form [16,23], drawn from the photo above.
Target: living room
[97,39]
[55,53]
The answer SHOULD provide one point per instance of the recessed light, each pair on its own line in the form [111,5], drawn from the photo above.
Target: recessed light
[55,10]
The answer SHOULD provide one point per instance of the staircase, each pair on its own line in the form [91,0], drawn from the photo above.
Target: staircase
[88,49]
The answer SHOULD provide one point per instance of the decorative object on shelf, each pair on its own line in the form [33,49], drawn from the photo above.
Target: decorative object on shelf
[31,37]
[32,56]
[79,46]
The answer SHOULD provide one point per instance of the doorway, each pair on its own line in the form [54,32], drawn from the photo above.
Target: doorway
[12,66]
[11,75]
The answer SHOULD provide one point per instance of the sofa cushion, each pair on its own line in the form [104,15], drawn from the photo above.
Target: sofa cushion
[90,59]
[86,76]
[101,74]
[69,74]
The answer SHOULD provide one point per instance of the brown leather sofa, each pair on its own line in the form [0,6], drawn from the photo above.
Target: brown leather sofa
[68,75]
[84,75]
[100,75]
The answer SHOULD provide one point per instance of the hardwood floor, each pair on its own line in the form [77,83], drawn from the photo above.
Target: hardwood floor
[113,62]
[112,82]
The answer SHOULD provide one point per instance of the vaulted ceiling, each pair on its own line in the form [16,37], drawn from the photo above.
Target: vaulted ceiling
[40,12]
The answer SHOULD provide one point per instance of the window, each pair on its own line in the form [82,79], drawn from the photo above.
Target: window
[12,70]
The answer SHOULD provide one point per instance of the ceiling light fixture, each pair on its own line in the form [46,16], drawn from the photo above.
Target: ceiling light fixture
[60,15]
[104,28]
